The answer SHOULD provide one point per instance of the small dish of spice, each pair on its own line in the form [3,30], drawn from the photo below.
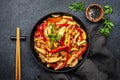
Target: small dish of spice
[94,12]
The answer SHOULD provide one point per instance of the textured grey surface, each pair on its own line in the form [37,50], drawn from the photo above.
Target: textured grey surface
[25,13]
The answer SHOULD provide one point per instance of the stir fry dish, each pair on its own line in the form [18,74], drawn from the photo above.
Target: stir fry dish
[60,42]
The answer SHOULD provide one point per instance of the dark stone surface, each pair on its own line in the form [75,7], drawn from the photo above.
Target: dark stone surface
[25,13]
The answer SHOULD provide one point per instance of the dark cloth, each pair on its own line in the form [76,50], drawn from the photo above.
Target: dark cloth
[99,65]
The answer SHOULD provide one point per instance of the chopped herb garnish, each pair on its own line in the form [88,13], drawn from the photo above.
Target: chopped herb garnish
[53,28]
[59,37]
[54,36]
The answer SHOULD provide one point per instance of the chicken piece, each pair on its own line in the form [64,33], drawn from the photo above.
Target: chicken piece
[81,42]
[73,63]
[71,59]
[71,22]
[52,59]
[67,17]
[84,34]
[62,21]
[74,40]
[40,50]
[55,15]
[42,57]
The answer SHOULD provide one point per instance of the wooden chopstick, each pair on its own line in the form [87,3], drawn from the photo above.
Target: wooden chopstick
[18,62]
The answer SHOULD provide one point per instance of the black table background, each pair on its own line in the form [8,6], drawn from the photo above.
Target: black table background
[24,14]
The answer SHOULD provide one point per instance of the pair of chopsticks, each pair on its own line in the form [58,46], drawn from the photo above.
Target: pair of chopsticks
[18,60]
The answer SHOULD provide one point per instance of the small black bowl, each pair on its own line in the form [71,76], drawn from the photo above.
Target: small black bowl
[35,55]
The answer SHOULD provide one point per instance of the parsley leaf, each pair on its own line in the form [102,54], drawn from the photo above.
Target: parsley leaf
[77,6]
[107,26]
[105,31]
[108,9]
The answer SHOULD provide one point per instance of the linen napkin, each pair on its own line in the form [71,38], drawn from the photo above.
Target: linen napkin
[99,65]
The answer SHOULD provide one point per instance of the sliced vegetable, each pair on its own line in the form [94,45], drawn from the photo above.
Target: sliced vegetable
[59,66]
[63,25]
[61,43]
[62,64]
[58,49]
[52,59]
[54,19]
[78,29]
[80,52]
[40,35]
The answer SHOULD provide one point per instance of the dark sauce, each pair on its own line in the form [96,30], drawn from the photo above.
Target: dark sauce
[94,12]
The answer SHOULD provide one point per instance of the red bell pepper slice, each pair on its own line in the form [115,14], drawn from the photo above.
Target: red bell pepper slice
[39,34]
[61,25]
[80,52]
[78,29]
[67,57]
[53,65]
[65,62]
[54,19]
[60,66]
[70,46]
[61,43]
[63,38]
[40,31]
[58,49]
[42,26]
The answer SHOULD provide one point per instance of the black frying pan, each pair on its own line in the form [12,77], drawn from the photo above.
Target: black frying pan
[35,55]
